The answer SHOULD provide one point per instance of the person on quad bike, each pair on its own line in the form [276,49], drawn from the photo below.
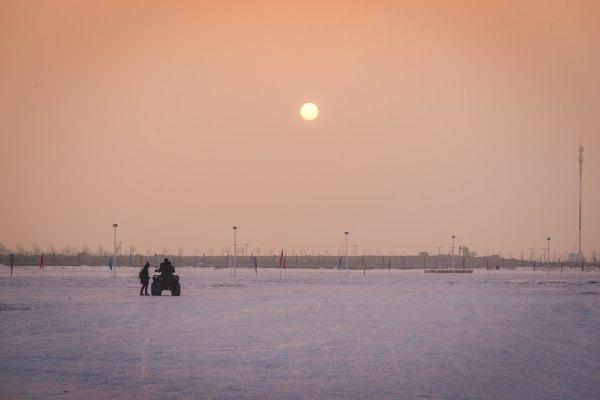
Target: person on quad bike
[144,279]
[166,268]
[167,280]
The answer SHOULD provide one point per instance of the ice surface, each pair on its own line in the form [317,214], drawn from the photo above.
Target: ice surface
[78,333]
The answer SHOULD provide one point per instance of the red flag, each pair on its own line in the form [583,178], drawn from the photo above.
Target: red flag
[42,261]
[282,260]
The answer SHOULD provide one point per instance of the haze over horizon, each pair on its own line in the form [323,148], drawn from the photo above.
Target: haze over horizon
[178,121]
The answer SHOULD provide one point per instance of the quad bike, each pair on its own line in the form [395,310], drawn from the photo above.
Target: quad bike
[165,282]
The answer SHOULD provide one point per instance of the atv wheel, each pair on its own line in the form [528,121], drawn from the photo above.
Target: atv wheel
[176,289]
[155,289]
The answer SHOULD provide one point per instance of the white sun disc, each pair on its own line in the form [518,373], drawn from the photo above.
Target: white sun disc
[309,111]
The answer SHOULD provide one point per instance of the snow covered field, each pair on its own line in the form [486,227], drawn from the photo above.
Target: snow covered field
[78,333]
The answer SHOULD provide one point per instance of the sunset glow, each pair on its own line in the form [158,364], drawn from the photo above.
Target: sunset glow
[179,220]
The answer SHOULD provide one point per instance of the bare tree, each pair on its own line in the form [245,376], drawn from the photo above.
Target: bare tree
[20,249]
[132,249]
[257,251]
[3,249]
[211,251]
[101,250]
[197,250]
[179,251]
[165,250]
[85,249]
[36,249]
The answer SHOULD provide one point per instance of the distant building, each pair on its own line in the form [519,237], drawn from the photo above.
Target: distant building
[574,257]
[467,253]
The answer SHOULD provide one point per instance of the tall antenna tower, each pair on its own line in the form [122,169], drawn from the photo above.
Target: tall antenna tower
[579,255]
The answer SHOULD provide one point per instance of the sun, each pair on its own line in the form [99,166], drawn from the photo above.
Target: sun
[309,111]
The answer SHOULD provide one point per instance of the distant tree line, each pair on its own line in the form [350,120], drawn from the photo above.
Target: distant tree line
[422,261]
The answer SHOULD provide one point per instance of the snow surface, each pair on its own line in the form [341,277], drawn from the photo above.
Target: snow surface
[78,333]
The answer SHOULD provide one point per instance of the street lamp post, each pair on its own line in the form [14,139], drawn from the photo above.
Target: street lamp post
[579,255]
[346,234]
[548,259]
[453,238]
[234,249]
[114,272]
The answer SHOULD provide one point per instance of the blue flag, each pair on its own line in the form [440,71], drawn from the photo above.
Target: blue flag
[110,263]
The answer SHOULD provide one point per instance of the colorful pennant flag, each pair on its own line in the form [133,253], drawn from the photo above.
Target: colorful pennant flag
[255,264]
[282,260]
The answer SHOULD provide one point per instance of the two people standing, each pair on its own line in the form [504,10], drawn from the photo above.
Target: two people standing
[166,268]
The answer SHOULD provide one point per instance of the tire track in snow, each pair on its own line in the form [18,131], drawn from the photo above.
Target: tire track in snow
[144,358]
[144,351]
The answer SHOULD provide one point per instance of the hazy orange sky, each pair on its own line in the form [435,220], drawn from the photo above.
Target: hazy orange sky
[179,119]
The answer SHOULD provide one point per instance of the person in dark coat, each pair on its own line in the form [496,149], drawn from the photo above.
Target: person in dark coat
[166,268]
[144,279]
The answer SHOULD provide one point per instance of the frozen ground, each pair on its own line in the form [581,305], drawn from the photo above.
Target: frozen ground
[78,333]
